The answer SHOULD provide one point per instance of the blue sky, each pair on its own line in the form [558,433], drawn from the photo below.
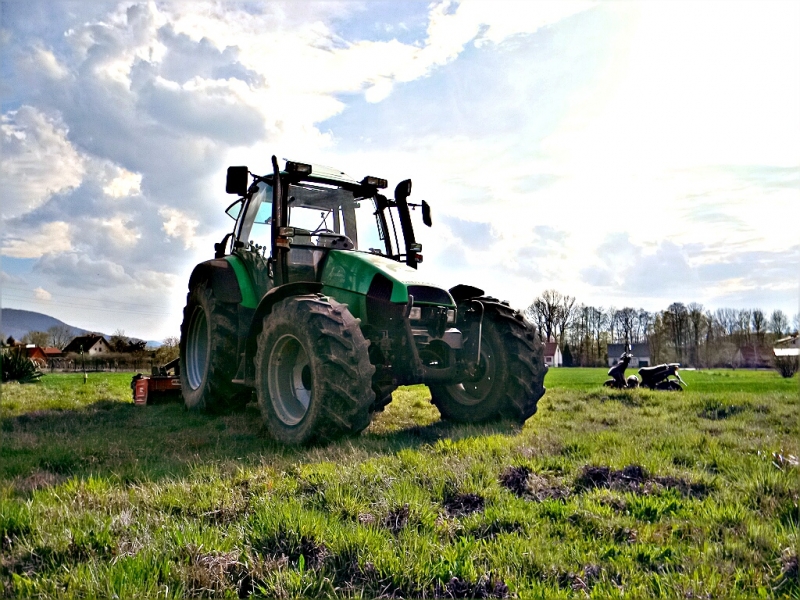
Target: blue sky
[629,154]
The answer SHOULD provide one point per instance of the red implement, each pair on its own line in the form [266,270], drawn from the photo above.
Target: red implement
[161,383]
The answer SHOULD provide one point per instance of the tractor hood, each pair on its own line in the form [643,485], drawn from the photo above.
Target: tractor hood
[355,271]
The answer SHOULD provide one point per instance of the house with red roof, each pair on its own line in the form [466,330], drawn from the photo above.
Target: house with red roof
[552,355]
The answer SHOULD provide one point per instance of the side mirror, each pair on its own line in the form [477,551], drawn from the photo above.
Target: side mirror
[236,182]
[403,189]
[426,213]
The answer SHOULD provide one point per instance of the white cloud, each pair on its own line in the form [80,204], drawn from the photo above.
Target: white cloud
[38,160]
[178,225]
[74,270]
[118,230]
[42,294]
[43,61]
[50,238]
[124,184]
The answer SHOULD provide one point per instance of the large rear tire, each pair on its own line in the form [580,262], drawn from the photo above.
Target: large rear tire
[208,360]
[510,378]
[313,375]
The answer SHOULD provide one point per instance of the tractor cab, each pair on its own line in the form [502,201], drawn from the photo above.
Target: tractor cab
[292,218]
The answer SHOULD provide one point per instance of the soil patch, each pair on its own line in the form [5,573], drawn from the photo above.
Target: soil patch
[634,478]
[397,519]
[459,505]
[212,573]
[523,483]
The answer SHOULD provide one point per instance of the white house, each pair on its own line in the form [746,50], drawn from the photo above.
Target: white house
[92,344]
[788,346]
[552,355]
[640,352]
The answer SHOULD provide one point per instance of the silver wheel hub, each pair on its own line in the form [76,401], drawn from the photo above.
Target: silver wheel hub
[197,348]
[289,380]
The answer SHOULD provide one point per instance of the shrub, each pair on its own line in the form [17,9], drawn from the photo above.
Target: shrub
[18,367]
[786,365]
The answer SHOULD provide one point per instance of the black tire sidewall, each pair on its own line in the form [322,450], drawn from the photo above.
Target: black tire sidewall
[338,357]
[216,391]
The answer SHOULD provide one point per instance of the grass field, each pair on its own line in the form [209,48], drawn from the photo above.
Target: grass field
[602,494]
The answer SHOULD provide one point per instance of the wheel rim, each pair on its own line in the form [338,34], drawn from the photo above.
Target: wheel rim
[197,348]
[289,380]
[475,390]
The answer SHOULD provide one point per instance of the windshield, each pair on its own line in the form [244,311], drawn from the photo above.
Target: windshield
[320,209]
[313,208]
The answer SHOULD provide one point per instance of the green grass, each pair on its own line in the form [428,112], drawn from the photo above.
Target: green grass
[99,498]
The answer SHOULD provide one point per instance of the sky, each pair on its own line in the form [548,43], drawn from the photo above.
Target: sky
[627,154]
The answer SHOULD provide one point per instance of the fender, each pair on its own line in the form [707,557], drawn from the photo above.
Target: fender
[270,299]
[222,278]
[463,292]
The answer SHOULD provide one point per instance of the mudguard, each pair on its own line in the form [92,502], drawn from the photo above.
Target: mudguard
[221,276]
[269,300]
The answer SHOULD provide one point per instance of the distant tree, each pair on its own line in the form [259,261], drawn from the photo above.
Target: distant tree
[727,318]
[10,341]
[119,341]
[676,320]
[644,325]
[697,326]
[743,330]
[626,319]
[38,338]
[567,356]
[759,321]
[59,336]
[778,323]
[168,351]
[551,312]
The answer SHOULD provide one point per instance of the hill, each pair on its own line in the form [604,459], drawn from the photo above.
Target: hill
[17,323]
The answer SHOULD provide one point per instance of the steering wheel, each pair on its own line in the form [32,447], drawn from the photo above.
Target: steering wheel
[323,231]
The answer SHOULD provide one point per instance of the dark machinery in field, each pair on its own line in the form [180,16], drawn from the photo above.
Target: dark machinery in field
[654,378]
[298,308]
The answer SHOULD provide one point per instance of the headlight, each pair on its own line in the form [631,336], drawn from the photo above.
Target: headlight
[415,314]
[451,315]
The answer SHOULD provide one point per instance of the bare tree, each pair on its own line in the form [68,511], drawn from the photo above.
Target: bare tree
[778,323]
[38,338]
[59,336]
[697,324]
[626,320]
[676,320]
[743,326]
[645,320]
[759,320]
[565,315]
[119,341]
[551,312]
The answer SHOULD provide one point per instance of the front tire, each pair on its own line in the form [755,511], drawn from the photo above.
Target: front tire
[313,375]
[208,360]
[510,377]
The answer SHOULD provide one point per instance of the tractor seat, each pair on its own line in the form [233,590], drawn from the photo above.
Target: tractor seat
[657,368]
[651,370]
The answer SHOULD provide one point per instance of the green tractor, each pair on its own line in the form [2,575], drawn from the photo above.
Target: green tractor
[298,308]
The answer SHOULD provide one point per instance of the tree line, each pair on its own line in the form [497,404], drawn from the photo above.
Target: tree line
[687,333]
